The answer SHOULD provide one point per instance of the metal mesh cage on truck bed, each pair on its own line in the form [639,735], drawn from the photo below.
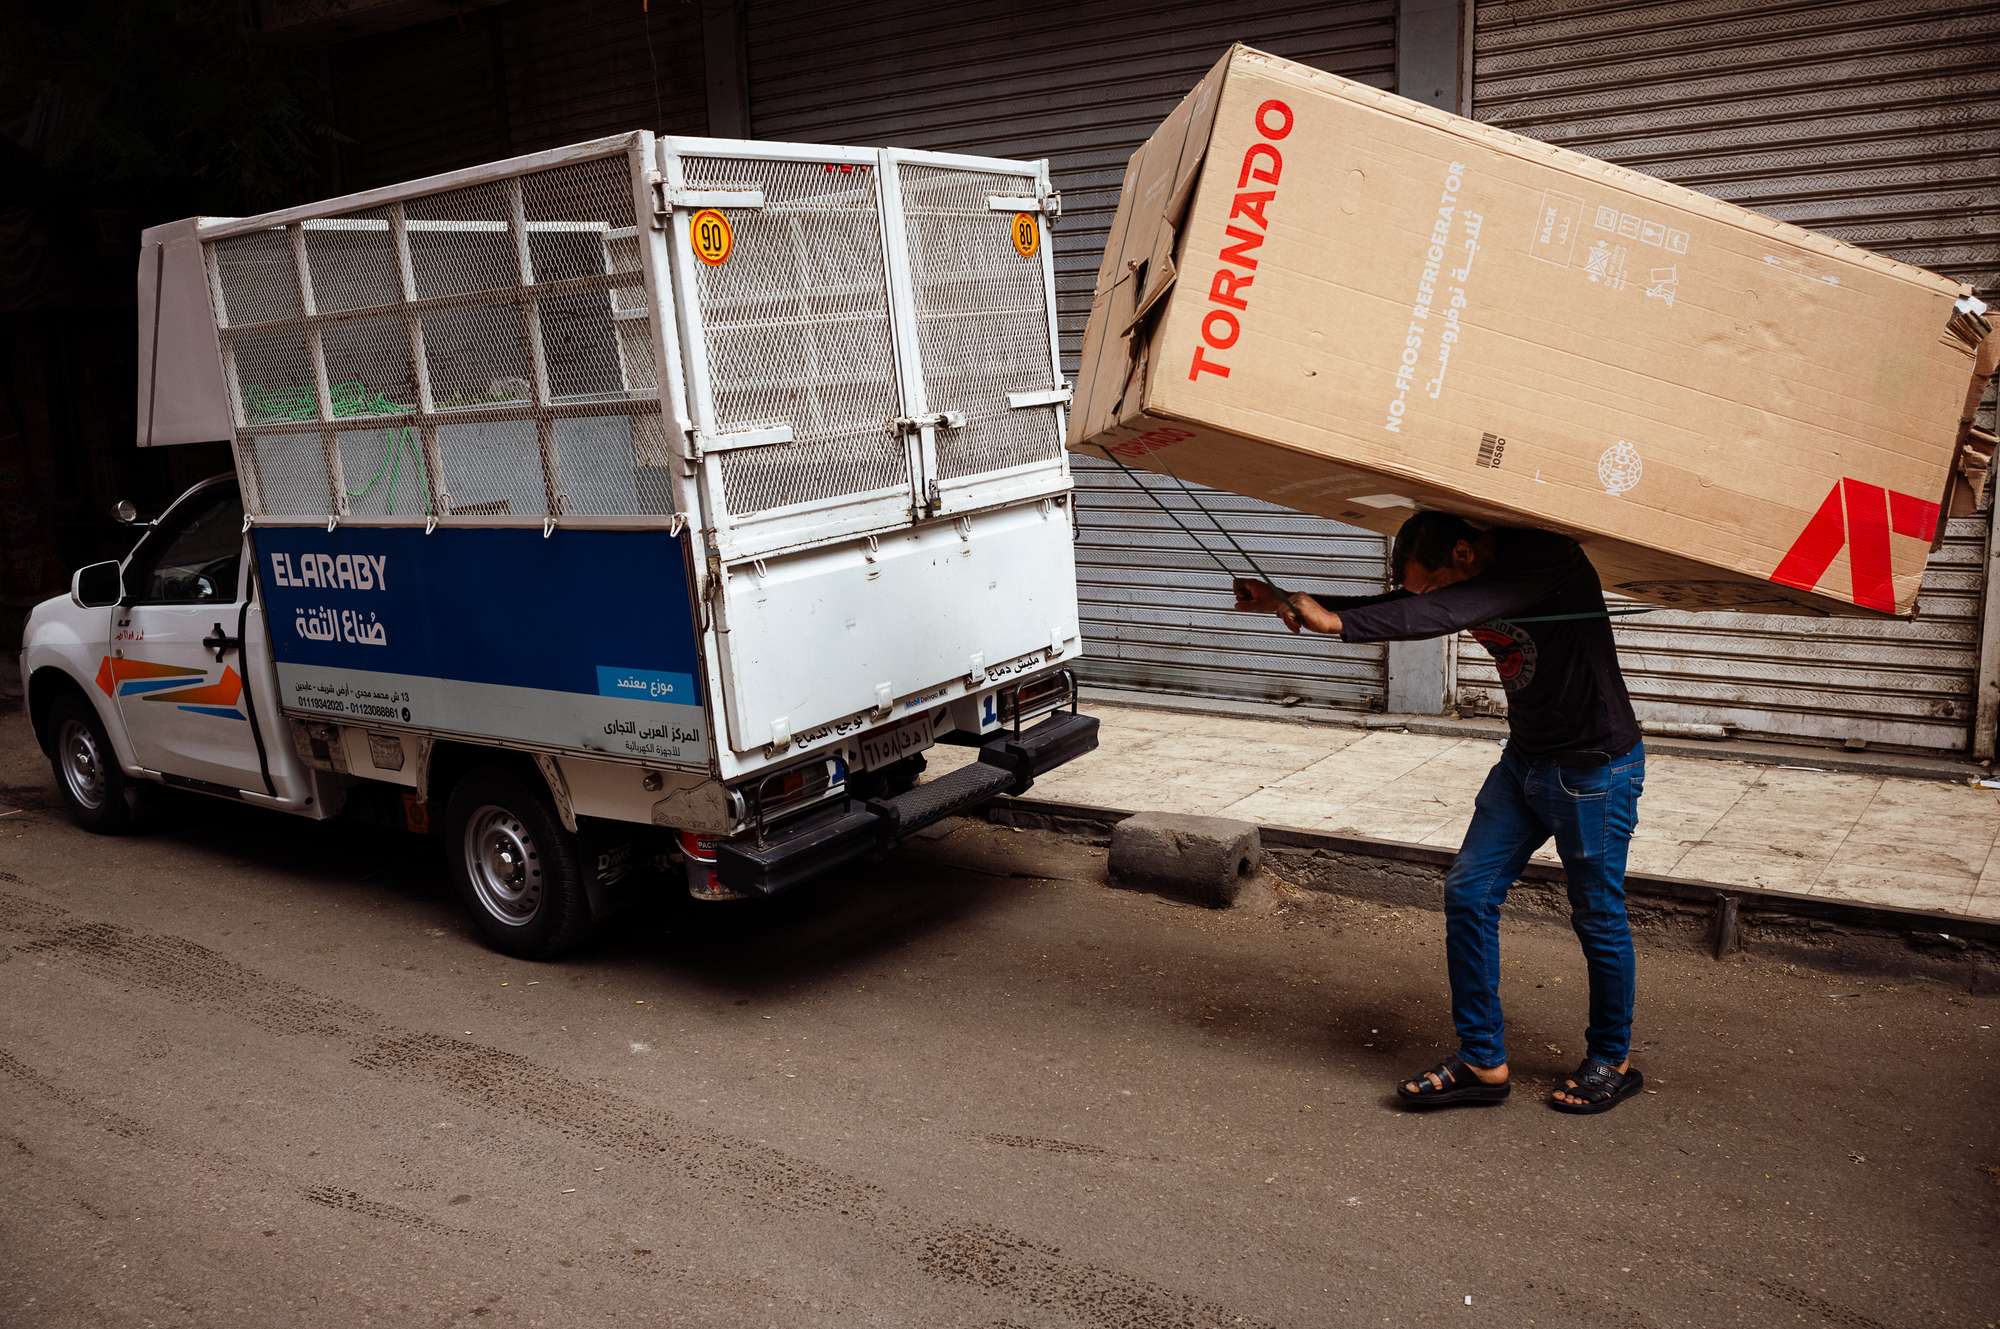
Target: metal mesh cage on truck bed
[873,343]
[982,318]
[484,350]
[798,334]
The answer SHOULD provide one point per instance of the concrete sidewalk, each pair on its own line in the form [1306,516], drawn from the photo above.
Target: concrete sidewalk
[1904,843]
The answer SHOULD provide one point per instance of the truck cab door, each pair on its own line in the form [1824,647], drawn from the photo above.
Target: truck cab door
[175,662]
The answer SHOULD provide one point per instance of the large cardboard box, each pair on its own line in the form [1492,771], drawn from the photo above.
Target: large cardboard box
[1342,301]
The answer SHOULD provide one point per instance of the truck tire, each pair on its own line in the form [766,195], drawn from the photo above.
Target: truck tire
[519,874]
[99,795]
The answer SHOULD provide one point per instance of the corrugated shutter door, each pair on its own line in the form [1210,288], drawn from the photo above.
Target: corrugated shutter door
[416,101]
[1872,122]
[577,69]
[1156,611]
[511,79]
[1083,83]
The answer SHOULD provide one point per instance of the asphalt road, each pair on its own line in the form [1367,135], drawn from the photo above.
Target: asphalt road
[254,1072]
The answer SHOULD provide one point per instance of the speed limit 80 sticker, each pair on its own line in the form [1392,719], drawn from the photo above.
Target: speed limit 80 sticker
[710,236]
[1027,234]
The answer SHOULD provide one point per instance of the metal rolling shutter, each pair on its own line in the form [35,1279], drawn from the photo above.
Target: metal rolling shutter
[1083,83]
[578,69]
[1876,121]
[510,79]
[1156,612]
[417,100]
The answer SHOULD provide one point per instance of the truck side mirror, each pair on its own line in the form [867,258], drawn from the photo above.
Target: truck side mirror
[97,586]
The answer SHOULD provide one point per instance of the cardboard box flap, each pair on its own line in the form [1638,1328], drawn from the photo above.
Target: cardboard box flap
[1969,472]
[1971,325]
[1158,278]
[1139,266]
[1973,462]
[1969,322]
[1159,269]
[1175,168]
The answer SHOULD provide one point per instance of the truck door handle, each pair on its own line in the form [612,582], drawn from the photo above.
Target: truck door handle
[220,641]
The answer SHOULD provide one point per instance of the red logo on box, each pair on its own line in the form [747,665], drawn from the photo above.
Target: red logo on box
[1263,163]
[1871,512]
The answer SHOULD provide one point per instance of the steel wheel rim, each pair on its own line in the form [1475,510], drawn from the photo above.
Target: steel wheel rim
[82,764]
[505,865]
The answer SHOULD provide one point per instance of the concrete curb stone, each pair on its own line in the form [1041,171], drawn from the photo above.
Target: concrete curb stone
[1199,859]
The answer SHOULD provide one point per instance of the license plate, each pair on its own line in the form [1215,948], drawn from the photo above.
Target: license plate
[886,747]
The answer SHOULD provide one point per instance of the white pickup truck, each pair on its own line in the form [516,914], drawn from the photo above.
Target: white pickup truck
[683,488]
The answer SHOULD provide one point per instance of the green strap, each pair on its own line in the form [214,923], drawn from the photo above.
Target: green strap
[1568,618]
[346,400]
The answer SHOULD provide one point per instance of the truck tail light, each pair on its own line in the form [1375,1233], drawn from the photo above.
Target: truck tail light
[703,882]
[1037,696]
[792,788]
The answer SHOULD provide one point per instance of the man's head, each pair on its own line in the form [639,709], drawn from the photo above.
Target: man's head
[1433,550]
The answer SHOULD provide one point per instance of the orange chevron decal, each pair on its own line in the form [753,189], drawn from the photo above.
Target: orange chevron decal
[115,671]
[223,692]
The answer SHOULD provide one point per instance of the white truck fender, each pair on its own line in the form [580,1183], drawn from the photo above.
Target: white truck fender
[61,638]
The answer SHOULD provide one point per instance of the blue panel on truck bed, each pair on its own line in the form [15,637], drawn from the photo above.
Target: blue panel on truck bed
[584,640]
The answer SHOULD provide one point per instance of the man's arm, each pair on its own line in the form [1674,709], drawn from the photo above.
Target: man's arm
[1302,610]
[1452,609]
[1401,616]
[1340,604]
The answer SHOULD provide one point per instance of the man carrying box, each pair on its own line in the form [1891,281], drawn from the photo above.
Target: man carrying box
[1572,769]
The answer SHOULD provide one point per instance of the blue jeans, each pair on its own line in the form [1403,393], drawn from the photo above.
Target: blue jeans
[1591,812]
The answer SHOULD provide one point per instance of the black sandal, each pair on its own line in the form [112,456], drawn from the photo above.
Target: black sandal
[1456,1084]
[1600,1085]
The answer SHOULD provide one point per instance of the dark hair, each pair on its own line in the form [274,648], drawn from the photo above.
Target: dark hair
[1427,540]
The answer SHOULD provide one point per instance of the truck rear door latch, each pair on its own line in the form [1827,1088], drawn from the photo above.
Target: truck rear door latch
[668,200]
[910,424]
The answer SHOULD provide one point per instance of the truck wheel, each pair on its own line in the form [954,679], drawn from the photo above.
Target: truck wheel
[519,873]
[99,796]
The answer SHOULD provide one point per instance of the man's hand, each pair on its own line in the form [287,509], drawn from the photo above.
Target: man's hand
[1257,597]
[1294,611]
[1309,611]
[1261,597]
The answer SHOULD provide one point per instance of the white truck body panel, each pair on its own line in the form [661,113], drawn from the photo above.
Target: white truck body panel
[911,620]
[177,345]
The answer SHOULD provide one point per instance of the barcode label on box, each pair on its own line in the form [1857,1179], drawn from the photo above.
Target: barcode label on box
[1491,448]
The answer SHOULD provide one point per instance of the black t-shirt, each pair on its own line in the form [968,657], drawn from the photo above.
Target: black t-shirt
[1538,608]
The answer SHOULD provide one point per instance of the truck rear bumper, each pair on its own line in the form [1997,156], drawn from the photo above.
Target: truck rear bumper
[823,840]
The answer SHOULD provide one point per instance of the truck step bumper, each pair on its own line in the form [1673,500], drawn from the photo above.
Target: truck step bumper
[821,841]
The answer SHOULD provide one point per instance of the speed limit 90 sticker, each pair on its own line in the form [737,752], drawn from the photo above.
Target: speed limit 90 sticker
[710,236]
[1027,234]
